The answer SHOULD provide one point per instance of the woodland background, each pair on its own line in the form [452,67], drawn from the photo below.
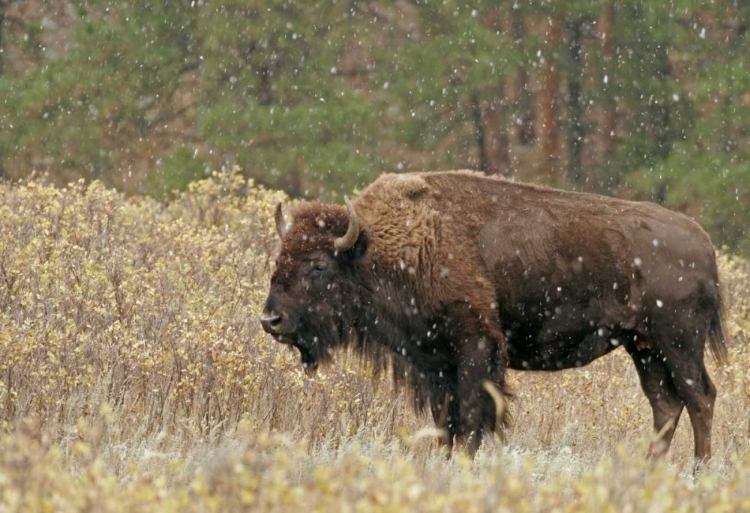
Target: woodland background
[133,371]
[639,99]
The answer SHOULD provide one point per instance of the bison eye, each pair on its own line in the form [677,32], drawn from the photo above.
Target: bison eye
[321,266]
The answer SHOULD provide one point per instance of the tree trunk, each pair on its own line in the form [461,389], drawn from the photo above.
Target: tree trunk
[291,182]
[491,116]
[497,143]
[525,132]
[660,110]
[727,143]
[549,130]
[575,109]
[2,33]
[476,116]
[609,114]
[3,6]
[263,90]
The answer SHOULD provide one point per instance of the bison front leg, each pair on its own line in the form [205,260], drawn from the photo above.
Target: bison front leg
[444,408]
[471,402]
[481,352]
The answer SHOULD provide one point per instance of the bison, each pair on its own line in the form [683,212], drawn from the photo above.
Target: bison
[453,277]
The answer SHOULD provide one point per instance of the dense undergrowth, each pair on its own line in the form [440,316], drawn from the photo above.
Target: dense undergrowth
[134,376]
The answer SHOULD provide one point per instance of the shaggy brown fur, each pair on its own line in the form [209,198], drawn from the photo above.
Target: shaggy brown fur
[456,276]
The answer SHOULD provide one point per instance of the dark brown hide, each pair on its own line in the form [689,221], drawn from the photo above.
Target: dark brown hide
[456,276]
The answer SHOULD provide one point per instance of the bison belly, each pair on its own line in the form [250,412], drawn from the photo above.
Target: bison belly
[564,351]
[570,330]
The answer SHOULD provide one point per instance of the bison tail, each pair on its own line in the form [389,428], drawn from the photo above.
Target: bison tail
[716,340]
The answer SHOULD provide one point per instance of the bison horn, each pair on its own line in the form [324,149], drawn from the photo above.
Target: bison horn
[350,237]
[281,226]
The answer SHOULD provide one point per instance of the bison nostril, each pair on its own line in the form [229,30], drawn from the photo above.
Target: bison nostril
[271,321]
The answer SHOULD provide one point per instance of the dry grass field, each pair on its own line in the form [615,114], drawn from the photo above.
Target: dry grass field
[134,377]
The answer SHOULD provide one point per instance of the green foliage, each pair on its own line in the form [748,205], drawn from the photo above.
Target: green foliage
[272,100]
[317,98]
[458,53]
[714,187]
[73,114]
[175,173]
[298,143]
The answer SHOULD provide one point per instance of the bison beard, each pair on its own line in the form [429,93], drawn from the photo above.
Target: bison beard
[450,278]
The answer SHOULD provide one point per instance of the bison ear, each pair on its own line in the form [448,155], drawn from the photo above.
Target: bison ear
[359,249]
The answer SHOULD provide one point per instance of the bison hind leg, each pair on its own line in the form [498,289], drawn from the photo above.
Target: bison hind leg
[679,348]
[696,390]
[665,401]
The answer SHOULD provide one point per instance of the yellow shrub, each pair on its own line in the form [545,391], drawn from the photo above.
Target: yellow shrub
[134,375]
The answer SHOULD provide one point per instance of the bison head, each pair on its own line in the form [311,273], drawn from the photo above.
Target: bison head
[314,286]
